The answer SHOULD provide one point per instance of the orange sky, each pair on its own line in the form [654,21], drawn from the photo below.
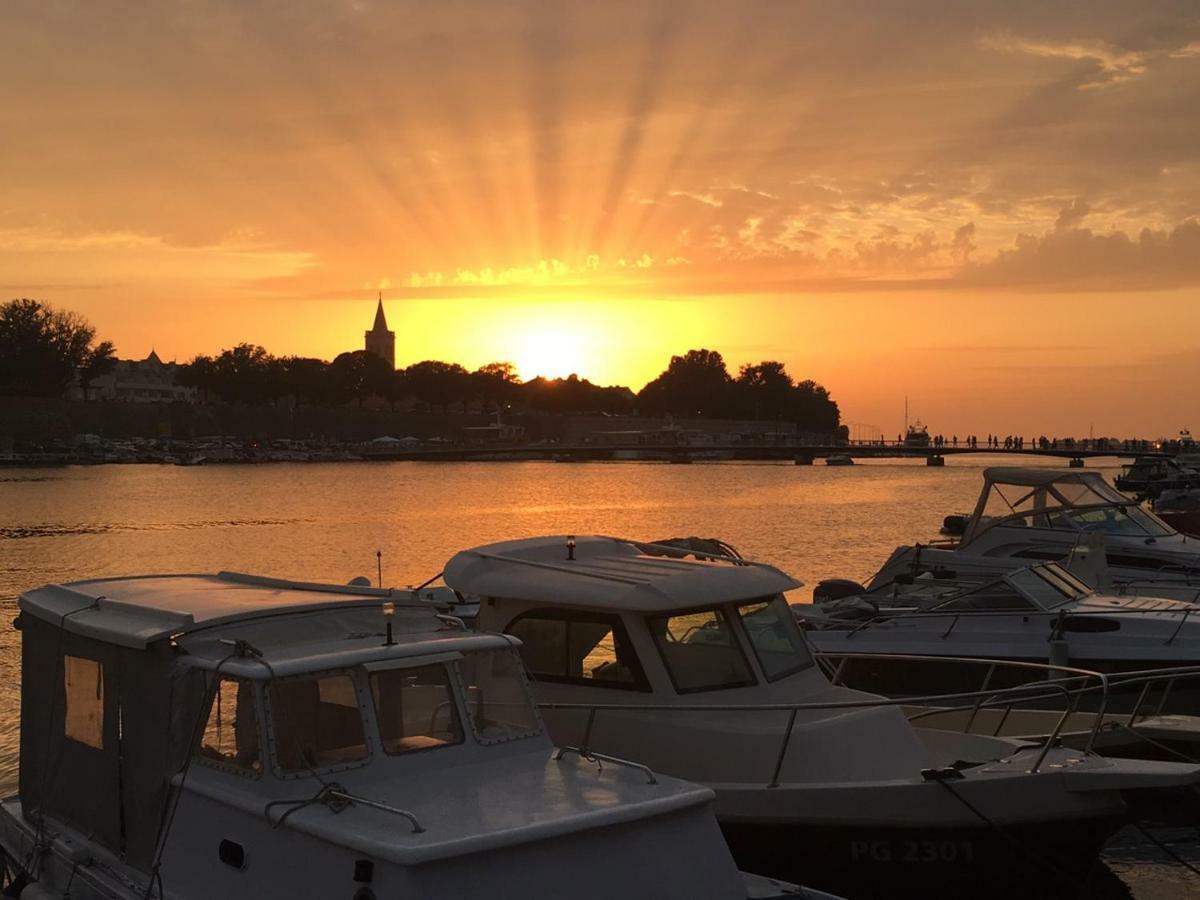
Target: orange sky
[990,207]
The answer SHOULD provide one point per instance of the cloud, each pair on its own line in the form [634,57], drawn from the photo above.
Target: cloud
[1112,64]
[1070,258]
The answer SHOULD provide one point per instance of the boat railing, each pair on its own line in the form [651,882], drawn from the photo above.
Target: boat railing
[1062,615]
[1056,687]
[1091,683]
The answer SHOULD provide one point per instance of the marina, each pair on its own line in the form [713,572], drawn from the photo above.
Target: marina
[84,523]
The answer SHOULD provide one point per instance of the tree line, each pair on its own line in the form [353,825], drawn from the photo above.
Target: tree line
[43,351]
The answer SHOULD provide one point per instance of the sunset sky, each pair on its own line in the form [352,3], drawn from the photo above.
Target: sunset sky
[991,207]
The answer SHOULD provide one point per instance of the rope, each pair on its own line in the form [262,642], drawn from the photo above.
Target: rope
[324,796]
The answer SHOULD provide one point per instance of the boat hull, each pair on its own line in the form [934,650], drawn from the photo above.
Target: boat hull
[978,862]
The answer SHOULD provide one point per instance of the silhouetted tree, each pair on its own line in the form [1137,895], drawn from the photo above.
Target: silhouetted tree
[764,391]
[243,374]
[97,362]
[307,380]
[359,375]
[41,348]
[437,384]
[575,395]
[695,384]
[496,384]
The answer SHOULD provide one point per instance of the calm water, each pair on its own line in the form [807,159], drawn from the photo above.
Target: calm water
[326,522]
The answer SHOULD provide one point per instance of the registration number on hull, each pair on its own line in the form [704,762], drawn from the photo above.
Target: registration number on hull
[946,851]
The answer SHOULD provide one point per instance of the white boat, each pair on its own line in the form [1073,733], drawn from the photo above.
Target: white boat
[202,736]
[1039,613]
[839,459]
[692,662]
[1031,515]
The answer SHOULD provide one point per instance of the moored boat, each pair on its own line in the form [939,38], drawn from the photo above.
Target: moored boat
[691,661]
[238,737]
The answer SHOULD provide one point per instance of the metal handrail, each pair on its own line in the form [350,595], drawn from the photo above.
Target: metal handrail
[1074,672]
[354,799]
[793,709]
[593,756]
[1107,683]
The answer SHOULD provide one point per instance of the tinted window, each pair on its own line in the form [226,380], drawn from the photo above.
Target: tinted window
[317,723]
[498,699]
[231,732]
[83,680]
[700,651]
[415,709]
[581,648]
[775,637]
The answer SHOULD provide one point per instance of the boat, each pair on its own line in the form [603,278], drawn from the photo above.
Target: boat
[1149,476]
[917,435]
[691,661]
[1180,509]
[232,736]
[1035,614]
[1031,515]
[839,459]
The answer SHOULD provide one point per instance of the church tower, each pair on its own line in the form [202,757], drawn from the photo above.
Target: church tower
[379,340]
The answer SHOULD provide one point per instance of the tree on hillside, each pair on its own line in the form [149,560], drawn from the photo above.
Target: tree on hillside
[97,362]
[41,348]
[695,384]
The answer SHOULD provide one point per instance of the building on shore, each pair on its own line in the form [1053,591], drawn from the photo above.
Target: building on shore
[379,340]
[148,380]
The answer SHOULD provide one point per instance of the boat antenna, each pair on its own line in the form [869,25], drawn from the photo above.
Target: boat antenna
[379,566]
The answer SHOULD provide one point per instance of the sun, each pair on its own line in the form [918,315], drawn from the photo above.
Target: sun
[552,352]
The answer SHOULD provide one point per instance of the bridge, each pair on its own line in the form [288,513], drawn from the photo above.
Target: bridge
[798,452]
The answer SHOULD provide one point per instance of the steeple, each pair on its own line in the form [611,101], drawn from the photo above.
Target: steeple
[379,340]
[380,318]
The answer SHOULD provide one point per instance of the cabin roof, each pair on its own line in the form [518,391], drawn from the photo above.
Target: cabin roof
[611,573]
[135,611]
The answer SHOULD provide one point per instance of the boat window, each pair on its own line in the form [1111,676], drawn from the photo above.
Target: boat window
[1116,520]
[415,709]
[578,648]
[997,596]
[498,698]
[1042,588]
[318,723]
[230,736]
[775,637]
[700,651]
[83,680]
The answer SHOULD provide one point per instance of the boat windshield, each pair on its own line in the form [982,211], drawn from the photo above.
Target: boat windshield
[498,699]
[1035,588]
[1045,587]
[700,651]
[775,637]
[1115,520]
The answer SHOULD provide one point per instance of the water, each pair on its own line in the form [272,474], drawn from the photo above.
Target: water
[325,522]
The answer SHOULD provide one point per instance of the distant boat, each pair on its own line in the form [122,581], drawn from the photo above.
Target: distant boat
[839,459]
[918,435]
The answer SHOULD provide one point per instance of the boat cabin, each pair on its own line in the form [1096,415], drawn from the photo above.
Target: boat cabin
[635,618]
[239,737]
